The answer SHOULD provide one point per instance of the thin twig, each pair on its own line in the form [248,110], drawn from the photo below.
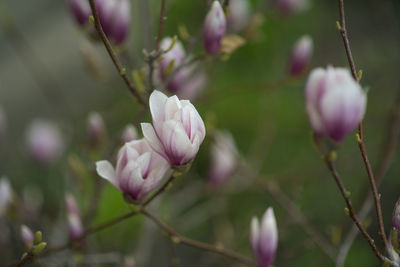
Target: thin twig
[361,142]
[193,243]
[161,24]
[350,209]
[121,70]
[160,190]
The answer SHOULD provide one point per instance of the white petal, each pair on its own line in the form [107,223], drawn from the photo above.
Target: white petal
[106,171]
[176,142]
[152,139]
[157,106]
[172,106]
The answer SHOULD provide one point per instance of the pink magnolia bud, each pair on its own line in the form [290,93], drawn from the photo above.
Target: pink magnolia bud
[80,10]
[214,28]
[335,103]
[139,169]
[27,236]
[44,141]
[264,238]
[6,195]
[114,18]
[396,216]
[173,57]
[224,157]
[238,16]
[178,128]
[3,124]
[75,227]
[301,55]
[292,6]
[129,134]
[96,128]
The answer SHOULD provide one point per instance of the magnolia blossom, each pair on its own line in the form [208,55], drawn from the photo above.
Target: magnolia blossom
[178,128]
[129,133]
[81,10]
[301,55]
[44,141]
[335,103]
[214,28]
[224,157]
[264,238]
[95,127]
[6,195]
[139,169]
[396,216]
[292,6]
[3,124]
[75,227]
[27,236]
[239,15]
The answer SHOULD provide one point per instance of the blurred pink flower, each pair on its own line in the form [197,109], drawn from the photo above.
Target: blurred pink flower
[214,28]
[75,227]
[301,55]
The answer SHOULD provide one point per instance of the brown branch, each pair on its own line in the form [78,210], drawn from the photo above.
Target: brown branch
[200,245]
[350,210]
[361,142]
[161,24]
[121,70]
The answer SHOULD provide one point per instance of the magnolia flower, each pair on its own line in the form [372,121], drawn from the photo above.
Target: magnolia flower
[27,236]
[264,238]
[396,216]
[75,227]
[6,195]
[224,157]
[44,141]
[81,10]
[129,133]
[335,103]
[3,124]
[214,28]
[178,128]
[292,6]
[139,169]
[301,55]
[239,15]
[95,127]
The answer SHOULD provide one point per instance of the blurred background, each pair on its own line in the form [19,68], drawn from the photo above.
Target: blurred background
[51,70]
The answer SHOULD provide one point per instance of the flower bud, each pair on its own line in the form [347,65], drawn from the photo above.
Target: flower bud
[6,195]
[114,18]
[96,128]
[178,128]
[301,55]
[44,141]
[238,16]
[138,170]
[75,227]
[335,102]
[80,10]
[214,28]
[396,216]
[3,124]
[292,6]
[27,237]
[223,158]
[264,238]
[129,133]
[171,59]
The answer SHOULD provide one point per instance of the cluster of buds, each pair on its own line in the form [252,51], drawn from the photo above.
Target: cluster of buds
[238,15]
[214,28]
[33,243]
[114,16]
[335,102]
[96,129]
[173,139]
[44,141]
[301,55]
[264,238]
[224,157]
[75,227]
